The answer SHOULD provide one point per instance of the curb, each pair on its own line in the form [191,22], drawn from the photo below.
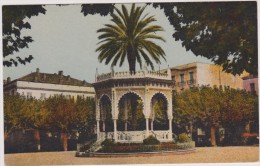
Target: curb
[135,154]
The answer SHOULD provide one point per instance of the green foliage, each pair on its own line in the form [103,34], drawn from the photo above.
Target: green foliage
[183,137]
[225,32]
[131,36]
[13,119]
[102,9]
[126,148]
[55,114]
[151,140]
[213,105]
[13,23]
[22,113]
[108,142]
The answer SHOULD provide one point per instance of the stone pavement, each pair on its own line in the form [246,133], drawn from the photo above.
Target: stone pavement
[201,155]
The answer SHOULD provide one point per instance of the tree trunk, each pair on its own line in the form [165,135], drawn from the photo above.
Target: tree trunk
[191,129]
[131,60]
[5,135]
[64,139]
[247,127]
[213,135]
[38,139]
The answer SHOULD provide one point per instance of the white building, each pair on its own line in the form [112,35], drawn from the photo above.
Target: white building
[44,85]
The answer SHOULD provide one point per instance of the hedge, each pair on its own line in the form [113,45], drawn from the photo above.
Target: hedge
[147,148]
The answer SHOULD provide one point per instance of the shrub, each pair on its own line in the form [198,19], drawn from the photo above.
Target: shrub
[108,142]
[183,137]
[151,140]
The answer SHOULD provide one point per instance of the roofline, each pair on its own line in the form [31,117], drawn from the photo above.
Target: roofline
[47,83]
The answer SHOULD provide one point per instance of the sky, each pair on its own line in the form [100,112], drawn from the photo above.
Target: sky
[65,39]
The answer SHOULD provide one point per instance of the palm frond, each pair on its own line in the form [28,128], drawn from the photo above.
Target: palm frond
[130,36]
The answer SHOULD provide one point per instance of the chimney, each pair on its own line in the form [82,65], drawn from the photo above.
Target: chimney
[69,78]
[37,70]
[36,78]
[8,79]
[60,73]
[44,77]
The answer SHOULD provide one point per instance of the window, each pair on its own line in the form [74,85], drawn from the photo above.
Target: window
[252,87]
[43,95]
[173,78]
[29,95]
[182,78]
[191,76]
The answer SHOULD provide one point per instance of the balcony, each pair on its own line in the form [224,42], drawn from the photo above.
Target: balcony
[181,84]
[191,82]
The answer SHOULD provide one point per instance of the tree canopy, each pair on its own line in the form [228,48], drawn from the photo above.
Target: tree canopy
[225,32]
[13,23]
[56,114]
[130,37]
[214,106]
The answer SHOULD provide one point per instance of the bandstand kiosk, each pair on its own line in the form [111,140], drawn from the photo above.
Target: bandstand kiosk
[113,87]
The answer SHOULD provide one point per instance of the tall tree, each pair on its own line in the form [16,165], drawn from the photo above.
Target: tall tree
[13,23]
[225,32]
[13,119]
[67,114]
[102,9]
[35,117]
[62,116]
[215,107]
[130,37]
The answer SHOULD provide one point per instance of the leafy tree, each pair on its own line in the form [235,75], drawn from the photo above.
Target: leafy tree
[198,104]
[129,37]
[13,119]
[238,108]
[214,106]
[34,117]
[62,116]
[68,114]
[102,9]
[13,23]
[85,116]
[225,32]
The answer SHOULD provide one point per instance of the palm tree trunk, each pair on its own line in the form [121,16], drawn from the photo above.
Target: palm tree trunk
[64,139]
[131,60]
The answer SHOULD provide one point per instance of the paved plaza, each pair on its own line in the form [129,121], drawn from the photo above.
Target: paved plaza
[201,155]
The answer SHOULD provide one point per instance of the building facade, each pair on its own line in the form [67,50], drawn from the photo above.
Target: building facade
[43,85]
[250,84]
[198,74]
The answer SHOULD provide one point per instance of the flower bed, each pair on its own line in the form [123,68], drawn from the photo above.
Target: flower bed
[128,148]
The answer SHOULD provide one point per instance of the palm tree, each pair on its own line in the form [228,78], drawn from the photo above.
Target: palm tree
[131,36]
